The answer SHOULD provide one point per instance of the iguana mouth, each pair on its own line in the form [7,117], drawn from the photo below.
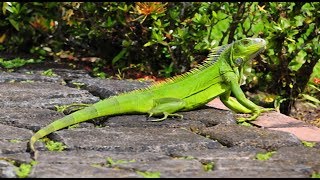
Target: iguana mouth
[258,52]
[263,46]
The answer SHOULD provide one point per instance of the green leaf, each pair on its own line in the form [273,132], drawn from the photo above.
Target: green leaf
[49,73]
[277,27]
[148,174]
[148,44]
[110,22]
[55,146]
[298,61]
[157,36]
[158,23]
[246,24]
[222,15]
[124,8]
[299,20]
[24,169]
[197,18]
[307,8]
[258,27]
[4,7]
[291,47]
[311,98]
[214,15]
[284,23]
[200,45]
[174,14]
[119,55]
[14,23]
[308,144]
[265,156]
[208,166]
[315,175]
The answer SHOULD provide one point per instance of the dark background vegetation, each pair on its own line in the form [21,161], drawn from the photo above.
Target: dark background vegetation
[150,39]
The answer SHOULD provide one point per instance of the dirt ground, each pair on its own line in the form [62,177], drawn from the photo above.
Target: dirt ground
[305,112]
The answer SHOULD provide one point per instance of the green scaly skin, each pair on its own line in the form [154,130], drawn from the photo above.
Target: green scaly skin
[219,75]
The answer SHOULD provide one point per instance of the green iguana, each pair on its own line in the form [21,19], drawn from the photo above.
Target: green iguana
[219,75]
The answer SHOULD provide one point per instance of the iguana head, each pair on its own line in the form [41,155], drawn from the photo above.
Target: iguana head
[246,49]
[242,51]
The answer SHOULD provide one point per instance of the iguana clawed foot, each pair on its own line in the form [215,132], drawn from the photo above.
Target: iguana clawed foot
[254,115]
[165,116]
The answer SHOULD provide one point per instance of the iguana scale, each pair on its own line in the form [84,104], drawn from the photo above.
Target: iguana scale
[219,75]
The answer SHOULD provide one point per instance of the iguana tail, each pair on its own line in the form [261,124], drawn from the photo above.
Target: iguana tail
[76,117]
[110,106]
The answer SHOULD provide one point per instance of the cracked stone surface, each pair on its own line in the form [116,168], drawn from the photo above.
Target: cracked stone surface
[123,146]
[108,87]
[41,95]
[135,139]
[228,135]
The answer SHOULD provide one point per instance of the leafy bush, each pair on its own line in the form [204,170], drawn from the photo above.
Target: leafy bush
[165,39]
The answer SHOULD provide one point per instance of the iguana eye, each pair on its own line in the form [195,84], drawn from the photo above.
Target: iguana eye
[239,61]
[245,42]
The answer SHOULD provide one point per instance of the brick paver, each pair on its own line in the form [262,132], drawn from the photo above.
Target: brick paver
[280,122]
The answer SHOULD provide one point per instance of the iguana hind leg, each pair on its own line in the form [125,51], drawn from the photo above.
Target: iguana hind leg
[166,107]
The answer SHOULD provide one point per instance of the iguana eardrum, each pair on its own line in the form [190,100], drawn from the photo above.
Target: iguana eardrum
[219,75]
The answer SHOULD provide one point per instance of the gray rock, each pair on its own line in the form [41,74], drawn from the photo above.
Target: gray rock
[305,159]
[41,95]
[105,88]
[7,147]
[210,116]
[144,121]
[192,120]
[21,157]
[30,118]
[13,133]
[13,139]
[7,170]
[134,139]
[18,77]
[242,163]
[237,135]
[65,74]
[75,170]
[126,162]
[254,169]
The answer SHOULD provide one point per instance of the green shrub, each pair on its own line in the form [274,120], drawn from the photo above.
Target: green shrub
[166,39]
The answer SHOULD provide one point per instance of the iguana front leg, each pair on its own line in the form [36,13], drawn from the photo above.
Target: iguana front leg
[241,98]
[166,107]
[233,104]
[241,103]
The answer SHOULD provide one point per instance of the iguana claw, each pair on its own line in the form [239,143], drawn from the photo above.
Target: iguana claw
[254,116]
[165,117]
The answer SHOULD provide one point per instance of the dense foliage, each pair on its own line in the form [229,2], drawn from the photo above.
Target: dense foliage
[165,39]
